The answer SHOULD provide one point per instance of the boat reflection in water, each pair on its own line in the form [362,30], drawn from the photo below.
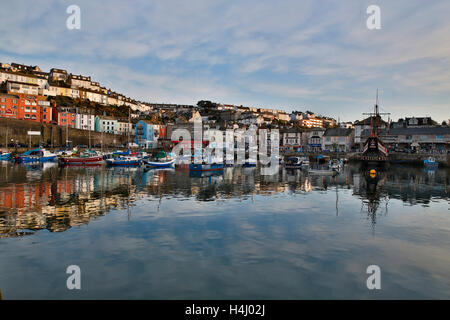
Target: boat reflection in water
[234,234]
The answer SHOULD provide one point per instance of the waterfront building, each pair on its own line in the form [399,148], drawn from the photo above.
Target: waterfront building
[315,139]
[9,105]
[426,139]
[292,139]
[106,124]
[124,127]
[25,107]
[46,110]
[85,121]
[414,122]
[148,133]
[338,139]
[65,116]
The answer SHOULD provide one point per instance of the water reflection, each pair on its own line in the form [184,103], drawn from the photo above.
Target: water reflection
[50,197]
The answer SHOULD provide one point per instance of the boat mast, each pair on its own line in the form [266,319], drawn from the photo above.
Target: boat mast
[89,124]
[129,129]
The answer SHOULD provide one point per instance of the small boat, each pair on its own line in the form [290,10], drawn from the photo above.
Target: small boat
[159,164]
[430,162]
[293,163]
[123,161]
[162,160]
[206,166]
[36,155]
[85,159]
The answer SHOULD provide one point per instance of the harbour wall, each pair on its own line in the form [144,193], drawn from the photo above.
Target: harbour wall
[52,134]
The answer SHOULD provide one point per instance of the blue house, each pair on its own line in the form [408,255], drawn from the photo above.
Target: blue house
[147,134]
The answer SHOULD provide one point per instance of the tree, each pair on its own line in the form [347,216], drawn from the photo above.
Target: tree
[444,123]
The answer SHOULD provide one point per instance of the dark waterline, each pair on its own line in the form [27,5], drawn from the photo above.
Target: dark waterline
[140,234]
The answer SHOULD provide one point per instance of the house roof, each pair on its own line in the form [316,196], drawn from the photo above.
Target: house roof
[420,130]
[338,132]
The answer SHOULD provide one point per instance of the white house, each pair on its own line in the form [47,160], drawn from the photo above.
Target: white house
[85,121]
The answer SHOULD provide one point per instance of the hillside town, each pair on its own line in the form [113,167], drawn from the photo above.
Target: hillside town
[76,101]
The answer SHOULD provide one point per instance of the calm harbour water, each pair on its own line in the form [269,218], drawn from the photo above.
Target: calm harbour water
[140,234]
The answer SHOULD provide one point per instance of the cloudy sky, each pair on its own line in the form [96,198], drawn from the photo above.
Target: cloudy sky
[287,54]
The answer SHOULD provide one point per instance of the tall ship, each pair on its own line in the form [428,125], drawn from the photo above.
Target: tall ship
[374,150]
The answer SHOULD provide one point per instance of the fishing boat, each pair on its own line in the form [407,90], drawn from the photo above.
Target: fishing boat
[293,163]
[123,161]
[85,159]
[36,155]
[162,160]
[430,162]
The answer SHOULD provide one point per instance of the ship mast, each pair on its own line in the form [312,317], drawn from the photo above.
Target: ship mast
[374,116]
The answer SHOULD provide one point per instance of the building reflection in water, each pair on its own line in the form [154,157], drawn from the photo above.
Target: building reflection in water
[53,198]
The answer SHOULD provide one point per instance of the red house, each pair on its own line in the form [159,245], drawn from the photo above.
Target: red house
[65,116]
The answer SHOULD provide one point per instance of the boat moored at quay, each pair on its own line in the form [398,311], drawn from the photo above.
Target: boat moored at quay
[87,158]
[36,155]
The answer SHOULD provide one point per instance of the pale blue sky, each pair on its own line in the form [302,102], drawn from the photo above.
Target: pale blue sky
[292,55]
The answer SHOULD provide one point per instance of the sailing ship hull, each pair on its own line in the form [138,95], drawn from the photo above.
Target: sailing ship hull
[374,153]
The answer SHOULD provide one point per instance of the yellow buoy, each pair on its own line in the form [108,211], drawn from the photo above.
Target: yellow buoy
[373,171]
